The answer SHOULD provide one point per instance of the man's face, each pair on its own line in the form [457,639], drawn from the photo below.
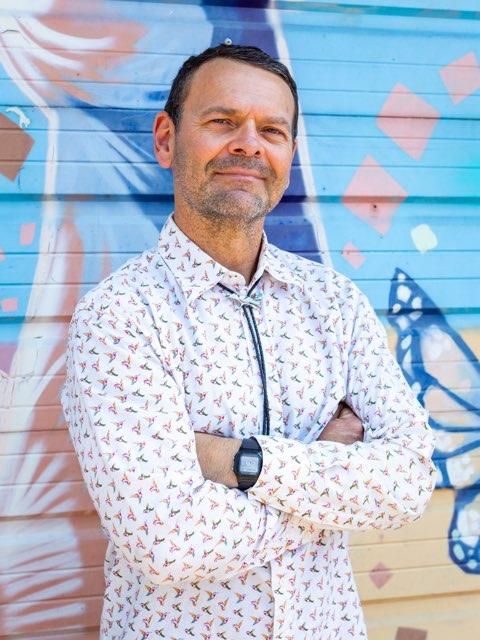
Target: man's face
[233,147]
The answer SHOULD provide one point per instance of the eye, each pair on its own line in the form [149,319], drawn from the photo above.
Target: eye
[274,131]
[220,121]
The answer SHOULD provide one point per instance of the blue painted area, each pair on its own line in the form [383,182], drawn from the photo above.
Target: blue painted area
[25,212]
[331,77]
[464,548]
[355,80]
[345,63]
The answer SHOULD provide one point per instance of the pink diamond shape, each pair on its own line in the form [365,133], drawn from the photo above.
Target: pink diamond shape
[353,255]
[27,233]
[373,195]
[408,120]
[380,575]
[9,304]
[407,633]
[461,77]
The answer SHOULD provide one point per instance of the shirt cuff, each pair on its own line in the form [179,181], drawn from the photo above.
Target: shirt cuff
[285,471]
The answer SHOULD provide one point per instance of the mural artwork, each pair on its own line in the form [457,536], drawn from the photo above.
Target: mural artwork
[450,392]
[80,193]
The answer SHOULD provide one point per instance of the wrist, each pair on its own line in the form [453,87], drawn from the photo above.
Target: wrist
[215,455]
[229,478]
[220,464]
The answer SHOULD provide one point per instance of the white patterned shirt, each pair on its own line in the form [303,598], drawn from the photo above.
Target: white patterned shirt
[159,350]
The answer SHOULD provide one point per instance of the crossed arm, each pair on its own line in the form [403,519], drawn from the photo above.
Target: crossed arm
[150,476]
[215,453]
[343,480]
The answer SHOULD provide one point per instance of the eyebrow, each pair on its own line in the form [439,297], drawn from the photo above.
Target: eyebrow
[229,111]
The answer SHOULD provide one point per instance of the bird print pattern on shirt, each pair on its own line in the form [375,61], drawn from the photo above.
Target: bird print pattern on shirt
[157,351]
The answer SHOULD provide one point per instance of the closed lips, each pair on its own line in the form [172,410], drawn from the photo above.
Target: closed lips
[241,174]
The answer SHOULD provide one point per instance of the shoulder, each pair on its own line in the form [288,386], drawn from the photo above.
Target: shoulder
[124,289]
[320,280]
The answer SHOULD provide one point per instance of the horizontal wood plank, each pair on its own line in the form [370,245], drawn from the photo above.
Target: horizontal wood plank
[441,617]
[417,582]
[325,150]
[41,543]
[50,498]
[18,268]
[460,297]
[62,615]
[95,179]
[32,587]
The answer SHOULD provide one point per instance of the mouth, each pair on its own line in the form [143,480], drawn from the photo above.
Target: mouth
[241,174]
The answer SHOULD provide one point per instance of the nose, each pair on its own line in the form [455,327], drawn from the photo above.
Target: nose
[246,141]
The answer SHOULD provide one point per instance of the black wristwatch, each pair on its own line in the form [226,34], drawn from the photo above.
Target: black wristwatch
[247,463]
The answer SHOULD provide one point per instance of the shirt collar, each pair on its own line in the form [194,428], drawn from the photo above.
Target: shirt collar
[196,271]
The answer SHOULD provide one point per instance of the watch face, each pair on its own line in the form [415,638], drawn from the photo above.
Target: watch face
[249,465]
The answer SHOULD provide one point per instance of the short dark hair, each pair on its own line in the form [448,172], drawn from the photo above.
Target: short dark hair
[239,53]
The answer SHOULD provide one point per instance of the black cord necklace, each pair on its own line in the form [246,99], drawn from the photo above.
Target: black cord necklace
[248,303]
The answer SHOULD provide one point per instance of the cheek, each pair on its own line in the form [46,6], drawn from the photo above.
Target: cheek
[205,146]
[282,167]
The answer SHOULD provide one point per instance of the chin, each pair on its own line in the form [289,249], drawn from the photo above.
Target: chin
[239,206]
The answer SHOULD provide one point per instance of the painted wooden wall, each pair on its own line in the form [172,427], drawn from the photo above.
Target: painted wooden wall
[385,188]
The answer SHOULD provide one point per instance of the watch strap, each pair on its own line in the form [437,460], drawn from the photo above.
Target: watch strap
[251,444]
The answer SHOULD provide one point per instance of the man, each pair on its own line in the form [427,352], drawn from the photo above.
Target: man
[201,378]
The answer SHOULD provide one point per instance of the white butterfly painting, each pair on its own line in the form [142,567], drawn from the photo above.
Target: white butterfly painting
[444,372]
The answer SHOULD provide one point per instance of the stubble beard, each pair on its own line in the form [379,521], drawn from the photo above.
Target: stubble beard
[239,209]
[235,208]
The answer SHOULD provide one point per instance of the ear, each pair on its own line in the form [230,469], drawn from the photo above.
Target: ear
[164,139]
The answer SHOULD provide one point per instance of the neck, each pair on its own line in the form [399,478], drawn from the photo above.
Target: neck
[234,246]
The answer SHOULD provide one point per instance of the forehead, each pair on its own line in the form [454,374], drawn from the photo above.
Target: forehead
[240,86]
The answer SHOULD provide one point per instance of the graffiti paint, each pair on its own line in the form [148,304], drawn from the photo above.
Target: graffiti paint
[384,183]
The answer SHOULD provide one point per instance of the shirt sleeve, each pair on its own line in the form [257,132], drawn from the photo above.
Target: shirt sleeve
[136,446]
[384,481]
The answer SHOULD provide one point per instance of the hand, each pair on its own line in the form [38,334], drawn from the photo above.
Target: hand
[215,455]
[344,427]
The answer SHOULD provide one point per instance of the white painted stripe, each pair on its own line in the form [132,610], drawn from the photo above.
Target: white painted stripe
[312,209]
